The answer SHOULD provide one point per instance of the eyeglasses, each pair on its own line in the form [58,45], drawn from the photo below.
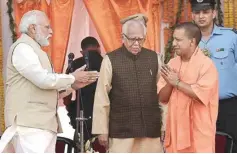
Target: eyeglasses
[133,40]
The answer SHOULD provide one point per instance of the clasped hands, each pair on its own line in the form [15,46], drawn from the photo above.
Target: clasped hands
[169,75]
[84,78]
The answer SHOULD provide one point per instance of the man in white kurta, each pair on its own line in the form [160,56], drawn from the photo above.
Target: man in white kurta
[32,89]
[125,119]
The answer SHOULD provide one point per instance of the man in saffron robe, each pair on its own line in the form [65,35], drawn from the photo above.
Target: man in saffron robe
[189,84]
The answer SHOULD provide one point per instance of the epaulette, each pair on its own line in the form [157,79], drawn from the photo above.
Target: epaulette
[232,29]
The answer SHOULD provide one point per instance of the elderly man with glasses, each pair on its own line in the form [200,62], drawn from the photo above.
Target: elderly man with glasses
[127,115]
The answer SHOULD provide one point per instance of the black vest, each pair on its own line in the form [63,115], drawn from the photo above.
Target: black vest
[134,107]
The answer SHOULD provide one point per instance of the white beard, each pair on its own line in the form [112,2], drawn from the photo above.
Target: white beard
[43,41]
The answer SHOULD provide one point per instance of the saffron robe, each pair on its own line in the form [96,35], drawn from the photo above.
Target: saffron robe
[191,124]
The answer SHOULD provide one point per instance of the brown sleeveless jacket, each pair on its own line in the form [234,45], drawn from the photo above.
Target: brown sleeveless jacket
[134,107]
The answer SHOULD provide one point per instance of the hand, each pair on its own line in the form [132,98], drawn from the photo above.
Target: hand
[104,140]
[169,75]
[85,76]
[66,93]
[74,96]
[162,138]
[77,85]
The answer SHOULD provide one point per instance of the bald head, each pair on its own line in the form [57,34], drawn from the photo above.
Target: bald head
[191,31]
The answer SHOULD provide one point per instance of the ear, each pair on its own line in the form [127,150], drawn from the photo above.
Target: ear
[32,29]
[122,37]
[192,16]
[193,41]
[214,14]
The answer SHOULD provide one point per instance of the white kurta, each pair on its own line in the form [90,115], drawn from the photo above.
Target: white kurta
[25,139]
[101,112]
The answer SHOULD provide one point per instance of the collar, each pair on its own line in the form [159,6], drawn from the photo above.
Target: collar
[27,37]
[216,30]
[129,54]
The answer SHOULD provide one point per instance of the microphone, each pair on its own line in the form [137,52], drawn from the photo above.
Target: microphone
[70,60]
[86,58]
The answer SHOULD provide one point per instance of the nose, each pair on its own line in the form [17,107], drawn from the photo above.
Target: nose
[136,43]
[50,31]
[201,15]
[174,43]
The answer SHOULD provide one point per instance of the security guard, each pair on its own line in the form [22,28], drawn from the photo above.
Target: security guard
[221,44]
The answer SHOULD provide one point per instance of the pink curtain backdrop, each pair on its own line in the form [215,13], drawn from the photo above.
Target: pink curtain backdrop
[81,27]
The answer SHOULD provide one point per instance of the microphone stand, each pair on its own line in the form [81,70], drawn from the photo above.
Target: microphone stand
[79,141]
[76,134]
[80,119]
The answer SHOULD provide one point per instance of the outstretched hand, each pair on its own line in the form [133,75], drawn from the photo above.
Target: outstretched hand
[84,78]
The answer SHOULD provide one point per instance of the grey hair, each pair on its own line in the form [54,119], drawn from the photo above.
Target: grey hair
[31,17]
[126,24]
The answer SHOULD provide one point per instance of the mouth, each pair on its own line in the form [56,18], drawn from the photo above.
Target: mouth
[48,37]
[135,48]
[176,50]
[201,21]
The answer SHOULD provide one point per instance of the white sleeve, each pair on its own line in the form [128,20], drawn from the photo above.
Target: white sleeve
[27,63]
